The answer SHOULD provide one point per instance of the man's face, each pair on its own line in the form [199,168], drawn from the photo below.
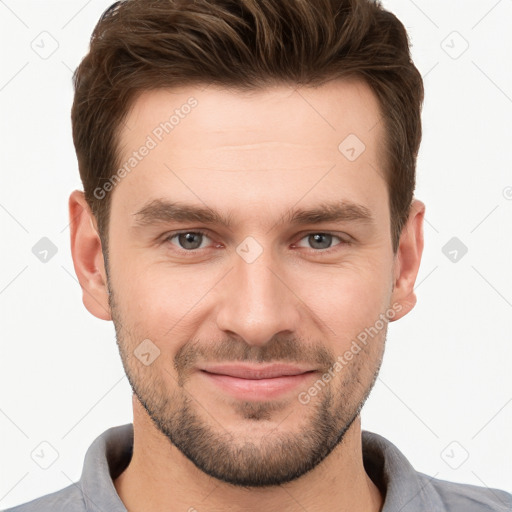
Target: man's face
[264,291]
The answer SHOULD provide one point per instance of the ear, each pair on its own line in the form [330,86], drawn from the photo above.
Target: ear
[88,256]
[408,259]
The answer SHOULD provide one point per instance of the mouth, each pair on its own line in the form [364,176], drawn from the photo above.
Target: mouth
[256,382]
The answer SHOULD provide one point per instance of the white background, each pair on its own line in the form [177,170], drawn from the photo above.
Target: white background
[446,374]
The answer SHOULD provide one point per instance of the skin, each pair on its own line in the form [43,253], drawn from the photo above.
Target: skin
[254,156]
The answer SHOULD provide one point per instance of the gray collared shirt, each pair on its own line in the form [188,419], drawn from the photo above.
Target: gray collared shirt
[405,489]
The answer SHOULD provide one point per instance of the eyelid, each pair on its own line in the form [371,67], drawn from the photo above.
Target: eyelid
[344,237]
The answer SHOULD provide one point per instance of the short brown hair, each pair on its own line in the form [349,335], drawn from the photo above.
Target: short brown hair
[140,45]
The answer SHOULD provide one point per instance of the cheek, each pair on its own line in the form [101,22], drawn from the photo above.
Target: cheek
[347,301]
[163,303]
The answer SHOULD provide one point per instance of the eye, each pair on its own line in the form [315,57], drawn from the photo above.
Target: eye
[191,241]
[322,241]
[188,240]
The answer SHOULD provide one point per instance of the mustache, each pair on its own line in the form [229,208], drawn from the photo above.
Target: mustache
[278,349]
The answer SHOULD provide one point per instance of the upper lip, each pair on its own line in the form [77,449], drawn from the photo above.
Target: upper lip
[261,371]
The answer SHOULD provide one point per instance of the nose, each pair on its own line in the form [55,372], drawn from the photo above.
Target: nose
[258,301]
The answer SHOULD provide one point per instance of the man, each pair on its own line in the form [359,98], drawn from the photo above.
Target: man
[247,219]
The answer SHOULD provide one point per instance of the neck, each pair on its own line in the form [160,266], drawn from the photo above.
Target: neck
[160,478]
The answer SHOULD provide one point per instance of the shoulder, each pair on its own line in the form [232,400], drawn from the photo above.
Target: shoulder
[409,490]
[69,499]
[458,497]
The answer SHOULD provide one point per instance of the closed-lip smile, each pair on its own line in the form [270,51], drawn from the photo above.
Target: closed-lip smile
[245,371]
[256,382]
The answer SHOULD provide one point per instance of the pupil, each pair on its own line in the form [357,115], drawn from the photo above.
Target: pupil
[317,238]
[188,241]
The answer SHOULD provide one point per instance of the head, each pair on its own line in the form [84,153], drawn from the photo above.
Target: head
[248,172]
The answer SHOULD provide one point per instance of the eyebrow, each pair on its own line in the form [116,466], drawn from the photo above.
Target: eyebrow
[160,211]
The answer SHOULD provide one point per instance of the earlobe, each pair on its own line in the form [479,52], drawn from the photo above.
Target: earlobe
[87,256]
[408,260]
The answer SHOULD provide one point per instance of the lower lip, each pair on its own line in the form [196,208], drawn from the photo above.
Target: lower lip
[257,389]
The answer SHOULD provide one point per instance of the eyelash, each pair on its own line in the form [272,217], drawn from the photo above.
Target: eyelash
[193,252]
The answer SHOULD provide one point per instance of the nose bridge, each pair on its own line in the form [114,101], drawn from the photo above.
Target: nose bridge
[256,304]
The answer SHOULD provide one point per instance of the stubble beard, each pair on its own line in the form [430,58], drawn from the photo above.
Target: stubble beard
[275,458]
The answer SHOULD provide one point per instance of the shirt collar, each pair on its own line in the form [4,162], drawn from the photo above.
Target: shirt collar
[403,488]
[105,460]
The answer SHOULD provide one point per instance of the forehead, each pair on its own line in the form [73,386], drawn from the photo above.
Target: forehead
[260,148]
[274,114]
